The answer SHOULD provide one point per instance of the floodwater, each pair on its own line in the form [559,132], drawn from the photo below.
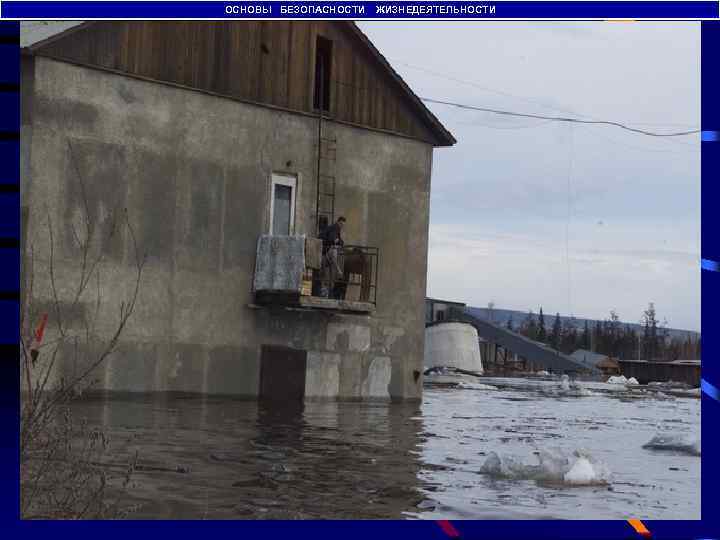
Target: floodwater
[464,453]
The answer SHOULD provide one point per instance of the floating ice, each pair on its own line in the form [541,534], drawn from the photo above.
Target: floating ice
[578,469]
[621,379]
[568,388]
[684,443]
[475,386]
[582,473]
[505,467]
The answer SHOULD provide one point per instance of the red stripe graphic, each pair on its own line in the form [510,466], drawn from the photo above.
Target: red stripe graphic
[448,528]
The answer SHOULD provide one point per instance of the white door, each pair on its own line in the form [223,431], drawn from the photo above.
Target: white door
[282,204]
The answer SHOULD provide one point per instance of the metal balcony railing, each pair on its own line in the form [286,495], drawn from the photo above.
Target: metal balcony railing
[348,273]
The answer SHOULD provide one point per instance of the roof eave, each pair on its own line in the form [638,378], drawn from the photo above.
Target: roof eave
[31,49]
[442,134]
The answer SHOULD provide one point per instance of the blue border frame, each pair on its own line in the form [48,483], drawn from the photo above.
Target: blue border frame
[422,9]
[710,268]
[709,527]
[10,265]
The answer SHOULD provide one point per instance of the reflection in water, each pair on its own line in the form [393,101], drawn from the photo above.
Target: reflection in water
[212,458]
[205,458]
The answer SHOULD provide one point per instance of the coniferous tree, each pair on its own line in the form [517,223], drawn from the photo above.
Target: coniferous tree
[585,339]
[568,338]
[597,338]
[650,333]
[556,333]
[541,333]
[613,336]
[529,326]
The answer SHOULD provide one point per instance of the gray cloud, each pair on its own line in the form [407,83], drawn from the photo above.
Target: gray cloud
[499,207]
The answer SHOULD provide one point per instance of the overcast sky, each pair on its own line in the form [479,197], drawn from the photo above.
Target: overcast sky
[509,194]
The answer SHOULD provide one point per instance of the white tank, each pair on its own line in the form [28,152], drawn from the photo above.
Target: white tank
[452,344]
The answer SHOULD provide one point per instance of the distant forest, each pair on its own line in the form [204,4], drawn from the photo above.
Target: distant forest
[651,340]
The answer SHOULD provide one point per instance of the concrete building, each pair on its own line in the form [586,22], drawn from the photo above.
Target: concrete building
[453,345]
[437,310]
[209,135]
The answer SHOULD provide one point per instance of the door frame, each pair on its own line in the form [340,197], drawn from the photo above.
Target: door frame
[291,181]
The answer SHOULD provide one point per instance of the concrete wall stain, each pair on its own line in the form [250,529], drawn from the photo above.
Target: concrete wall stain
[194,172]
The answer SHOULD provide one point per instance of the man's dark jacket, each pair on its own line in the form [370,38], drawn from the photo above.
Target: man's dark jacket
[332,235]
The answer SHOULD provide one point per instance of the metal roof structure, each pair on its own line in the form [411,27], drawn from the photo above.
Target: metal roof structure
[588,357]
[536,352]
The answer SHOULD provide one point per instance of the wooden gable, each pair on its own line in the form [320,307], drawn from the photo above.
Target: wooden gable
[265,62]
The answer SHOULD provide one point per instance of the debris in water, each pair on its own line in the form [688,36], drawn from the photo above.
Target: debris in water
[683,443]
[475,386]
[568,388]
[578,469]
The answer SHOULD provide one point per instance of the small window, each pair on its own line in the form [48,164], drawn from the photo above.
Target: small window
[282,204]
[323,65]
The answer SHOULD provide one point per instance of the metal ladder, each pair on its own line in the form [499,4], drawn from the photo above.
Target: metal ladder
[327,150]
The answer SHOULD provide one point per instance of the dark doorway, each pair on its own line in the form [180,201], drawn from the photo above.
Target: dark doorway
[323,66]
[282,374]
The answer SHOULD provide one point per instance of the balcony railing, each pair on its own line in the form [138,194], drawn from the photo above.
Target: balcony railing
[347,274]
[294,271]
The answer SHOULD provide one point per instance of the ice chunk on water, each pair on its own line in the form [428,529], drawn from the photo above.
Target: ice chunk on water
[577,469]
[568,388]
[621,379]
[475,386]
[684,443]
[552,466]
[585,473]
[504,467]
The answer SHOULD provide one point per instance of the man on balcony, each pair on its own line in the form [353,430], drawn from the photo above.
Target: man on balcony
[333,259]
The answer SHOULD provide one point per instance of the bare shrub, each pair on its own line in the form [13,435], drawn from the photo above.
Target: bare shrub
[64,472]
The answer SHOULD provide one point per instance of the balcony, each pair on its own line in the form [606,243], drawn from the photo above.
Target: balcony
[295,272]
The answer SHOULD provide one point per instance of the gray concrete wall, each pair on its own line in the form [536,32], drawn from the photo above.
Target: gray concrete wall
[193,171]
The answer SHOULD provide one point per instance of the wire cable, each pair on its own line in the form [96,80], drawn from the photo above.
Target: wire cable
[561,119]
[536,116]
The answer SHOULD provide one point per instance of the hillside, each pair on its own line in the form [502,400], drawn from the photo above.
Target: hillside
[501,316]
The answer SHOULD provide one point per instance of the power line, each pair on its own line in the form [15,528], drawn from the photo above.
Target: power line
[484,88]
[521,98]
[535,116]
[561,119]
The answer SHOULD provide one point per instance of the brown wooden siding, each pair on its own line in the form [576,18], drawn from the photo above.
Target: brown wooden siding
[262,61]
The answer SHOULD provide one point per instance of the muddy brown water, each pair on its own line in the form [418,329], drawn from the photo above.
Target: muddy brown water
[212,458]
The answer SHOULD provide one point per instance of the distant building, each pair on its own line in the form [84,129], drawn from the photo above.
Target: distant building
[607,365]
[437,310]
